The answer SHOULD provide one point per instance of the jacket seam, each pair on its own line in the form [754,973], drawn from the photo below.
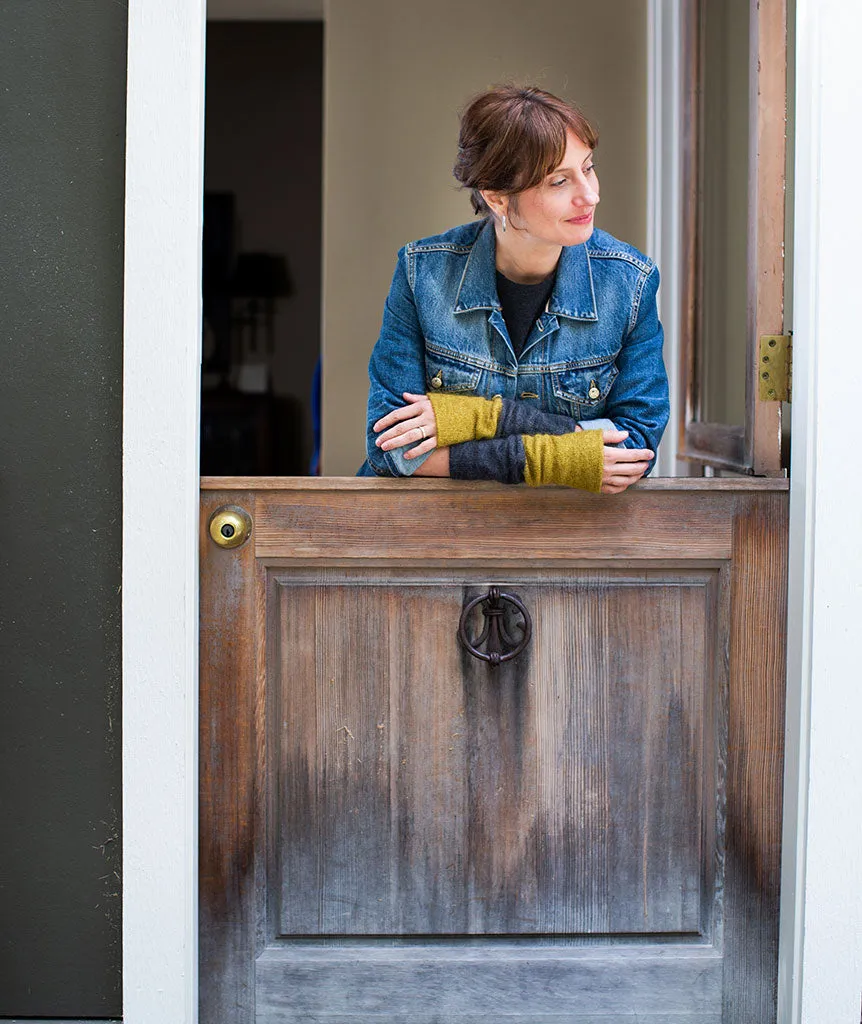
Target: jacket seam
[411,272]
[440,247]
[615,254]
[522,368]
[636,300]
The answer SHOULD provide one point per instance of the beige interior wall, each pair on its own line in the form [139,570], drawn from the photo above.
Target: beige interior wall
[725,210]
[396,74]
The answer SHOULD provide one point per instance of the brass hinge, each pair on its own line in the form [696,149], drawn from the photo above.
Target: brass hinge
[775,369]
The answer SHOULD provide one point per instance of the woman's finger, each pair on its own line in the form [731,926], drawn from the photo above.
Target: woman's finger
[617,484]
[628,454]
[414,434]
[427,445]
[626,479]
[627,469]
[400,428]
[406,412]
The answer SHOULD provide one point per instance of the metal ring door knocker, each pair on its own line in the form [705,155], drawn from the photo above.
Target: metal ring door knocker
[499,644]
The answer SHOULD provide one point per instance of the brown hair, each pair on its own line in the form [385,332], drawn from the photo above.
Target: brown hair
[511,137]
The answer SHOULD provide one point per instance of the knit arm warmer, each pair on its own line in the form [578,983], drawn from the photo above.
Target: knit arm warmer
[468,418]
[569,460]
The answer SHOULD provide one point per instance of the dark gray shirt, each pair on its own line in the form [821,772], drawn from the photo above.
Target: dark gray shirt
[522,304]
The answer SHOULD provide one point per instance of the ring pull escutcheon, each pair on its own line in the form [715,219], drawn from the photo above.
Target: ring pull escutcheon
[499,645]
[230,526]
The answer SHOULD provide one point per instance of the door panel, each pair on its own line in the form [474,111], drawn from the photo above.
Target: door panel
[420,792]
[392,830]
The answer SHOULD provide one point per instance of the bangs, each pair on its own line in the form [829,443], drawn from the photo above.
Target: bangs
[511,138]
[543,139]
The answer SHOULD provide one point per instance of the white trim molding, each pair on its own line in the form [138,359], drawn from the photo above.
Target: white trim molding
[664,200]
[161,393]
[820,980]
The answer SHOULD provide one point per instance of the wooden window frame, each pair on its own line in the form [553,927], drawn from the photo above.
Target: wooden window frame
[754,448]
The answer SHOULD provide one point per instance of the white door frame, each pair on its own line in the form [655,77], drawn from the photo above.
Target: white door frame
[664,196]
[161,399]
[821,927]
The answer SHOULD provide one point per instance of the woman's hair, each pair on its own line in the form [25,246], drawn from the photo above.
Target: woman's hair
[511,137]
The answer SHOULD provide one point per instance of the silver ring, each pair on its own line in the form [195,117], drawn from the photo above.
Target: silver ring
[423,431]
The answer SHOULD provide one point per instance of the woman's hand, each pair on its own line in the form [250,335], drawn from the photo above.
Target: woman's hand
[622,466]
[411,423]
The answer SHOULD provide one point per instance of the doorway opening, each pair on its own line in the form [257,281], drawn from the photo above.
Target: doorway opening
[327,201]
[262,247]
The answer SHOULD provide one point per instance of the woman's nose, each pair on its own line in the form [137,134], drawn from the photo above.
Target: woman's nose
[586,198]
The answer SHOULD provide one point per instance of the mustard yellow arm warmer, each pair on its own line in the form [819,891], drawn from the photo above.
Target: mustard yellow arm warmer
[571,460]
[465,418]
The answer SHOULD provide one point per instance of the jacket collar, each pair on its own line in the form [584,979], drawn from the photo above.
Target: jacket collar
[573,294]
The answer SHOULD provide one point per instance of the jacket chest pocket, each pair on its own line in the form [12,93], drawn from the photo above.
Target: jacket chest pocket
[444,374]
[583,392]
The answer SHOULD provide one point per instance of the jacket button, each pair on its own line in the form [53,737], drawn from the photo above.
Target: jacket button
[594,391]
[437,381]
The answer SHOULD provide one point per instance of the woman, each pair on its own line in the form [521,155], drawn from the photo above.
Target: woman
[524,347]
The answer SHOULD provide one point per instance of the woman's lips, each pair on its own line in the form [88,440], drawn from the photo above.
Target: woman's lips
[587,217]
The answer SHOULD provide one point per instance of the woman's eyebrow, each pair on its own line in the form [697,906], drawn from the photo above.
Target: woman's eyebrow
[563,170]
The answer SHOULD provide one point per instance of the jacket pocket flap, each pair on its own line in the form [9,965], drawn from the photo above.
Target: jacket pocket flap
[442,374]
[587,386]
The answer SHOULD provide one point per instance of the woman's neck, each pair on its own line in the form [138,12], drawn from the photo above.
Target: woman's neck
[523,259]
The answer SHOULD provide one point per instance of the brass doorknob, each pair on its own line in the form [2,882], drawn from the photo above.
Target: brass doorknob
[230,526]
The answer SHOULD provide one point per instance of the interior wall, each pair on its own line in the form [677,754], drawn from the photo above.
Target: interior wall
[397,72]
[725,209]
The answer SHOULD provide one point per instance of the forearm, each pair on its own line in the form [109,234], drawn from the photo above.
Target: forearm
[436,464]
[569,460]
[468,418]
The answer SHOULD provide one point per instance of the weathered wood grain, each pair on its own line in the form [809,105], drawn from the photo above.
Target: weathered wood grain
[228,775]
[537,828]
[486,986]
[499,524]
[755,759]
[293,484]
[766,223]
[424,793]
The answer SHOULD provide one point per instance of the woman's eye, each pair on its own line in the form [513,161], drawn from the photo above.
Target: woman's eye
[588,170]
[561,181]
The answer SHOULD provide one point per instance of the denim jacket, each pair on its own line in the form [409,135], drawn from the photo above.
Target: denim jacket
[596,351]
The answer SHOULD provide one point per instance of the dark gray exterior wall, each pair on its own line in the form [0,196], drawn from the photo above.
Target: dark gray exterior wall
[62,134]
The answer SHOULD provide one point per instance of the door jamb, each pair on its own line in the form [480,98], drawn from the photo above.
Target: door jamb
[664,182]
[161,408]
[820,942]
[819,976]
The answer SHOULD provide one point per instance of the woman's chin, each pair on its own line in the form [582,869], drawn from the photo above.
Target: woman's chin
[577,234]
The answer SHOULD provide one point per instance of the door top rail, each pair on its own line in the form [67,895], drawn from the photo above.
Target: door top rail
[351,483]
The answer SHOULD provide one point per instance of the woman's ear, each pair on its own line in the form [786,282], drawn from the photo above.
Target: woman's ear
[498,204]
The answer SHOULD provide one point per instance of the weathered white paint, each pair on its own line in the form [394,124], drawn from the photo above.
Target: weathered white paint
[265,10]
[164,182]
[664,199]
[821,947]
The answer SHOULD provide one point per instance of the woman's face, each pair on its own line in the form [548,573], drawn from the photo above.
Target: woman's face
[559,210]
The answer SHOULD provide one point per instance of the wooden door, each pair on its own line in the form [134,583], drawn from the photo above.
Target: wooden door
[394,831]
